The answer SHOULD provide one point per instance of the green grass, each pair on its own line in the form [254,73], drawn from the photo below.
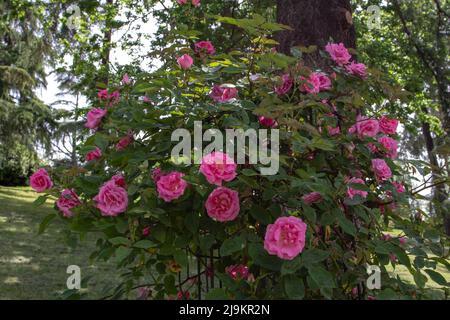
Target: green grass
[34,266]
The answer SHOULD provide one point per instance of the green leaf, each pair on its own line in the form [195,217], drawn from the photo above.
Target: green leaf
[261,215]
[231,246]
[312,256]
[169,284]
[180,257]
[119,241]
[437,277]
[144,244]
[40,201]
[346,225]
[263,259]
[420,279]
[122,253]
[291,266]
[321,277]
[45,222]
[249,172]
[294,286]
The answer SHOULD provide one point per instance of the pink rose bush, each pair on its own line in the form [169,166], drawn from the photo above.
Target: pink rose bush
[286,237]
[381,169]
[94,117]
[388,125]
[366,127]
[171,186]
[339,53]
[223,204]
[185,61]
[390,145]
[267,122]
[40,181]
[353,192]
[285,86]
[94,154]
[67,201]
[205,47]
[223,93]
[357,69]
[218,167]
[124,143]
[111,199]
[237,271]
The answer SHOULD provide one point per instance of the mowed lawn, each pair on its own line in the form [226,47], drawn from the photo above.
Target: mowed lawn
[34,266]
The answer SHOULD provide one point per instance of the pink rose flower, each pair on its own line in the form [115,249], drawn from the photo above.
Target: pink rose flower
[147,99]
[381,169]
[111,199]
[313,197]
[182,1]
[156,174]
[103,94]
[325,82]
[94,117]
[285,238]
[126,79]
[183,296]
[119,180]
[67,201]
[237,271]
[40,181]
[366,127]
[124,143]
[171,186]
[185,61]
[94,154]
[353,192]
[267,122]
[195,3]
[223,204]
[357,69]
[390,145]
[114,98]
[146,231]
[204,47]
[285,86]
[387,125]
[333,131]
[339,53]
[399,187]
[403,241]
[223,93]
[217,167]
[311,84]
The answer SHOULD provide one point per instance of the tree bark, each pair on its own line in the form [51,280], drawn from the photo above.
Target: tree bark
[315,23]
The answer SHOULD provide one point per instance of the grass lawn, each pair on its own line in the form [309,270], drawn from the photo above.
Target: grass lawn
[34,266]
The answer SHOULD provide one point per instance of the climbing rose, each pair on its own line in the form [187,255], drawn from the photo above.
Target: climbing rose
[119,180]
[311,84]
[357,69]
[353,192]
[399,187]
[285,86]
[217,167]
[366,127]
[390,145]
[237,271]
[94,154]
[381,169]
[325,82]
[267,122]
[185,61]
[223,93]
[67,201]
[171,186]
[338,53]
[111,199]
[312,197]
[223,204]
[204,47]
[103,94]
[40,181]
[285,238]
[387,125]
[124,143]
[94,117]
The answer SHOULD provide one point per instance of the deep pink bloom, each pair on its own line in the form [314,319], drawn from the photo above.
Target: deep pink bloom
[114,98]
[286,237]
[285,86]
[119,180]
[67,201]
[156,174]
[103,94]
[311,84]
[171,186]
[333,131]
[126,79]
[268,122]
[111,199]
[381,169]
[387,125]
[237,271]
[390,145]
[338,53]
[40,181]
[217,167]
[223,93]
[185,61]
[353,192]
[357,69]
[183,296]
[366,127]
[403,240]
[399,187]
[313,197]
[94,154]
[124,143]
[204,47]
[325,82]
[223,204]
[94,117]
[146,231]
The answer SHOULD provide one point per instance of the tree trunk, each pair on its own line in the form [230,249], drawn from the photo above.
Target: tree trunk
[315,22]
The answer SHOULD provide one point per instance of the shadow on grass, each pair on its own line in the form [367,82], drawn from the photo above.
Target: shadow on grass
[34,266]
